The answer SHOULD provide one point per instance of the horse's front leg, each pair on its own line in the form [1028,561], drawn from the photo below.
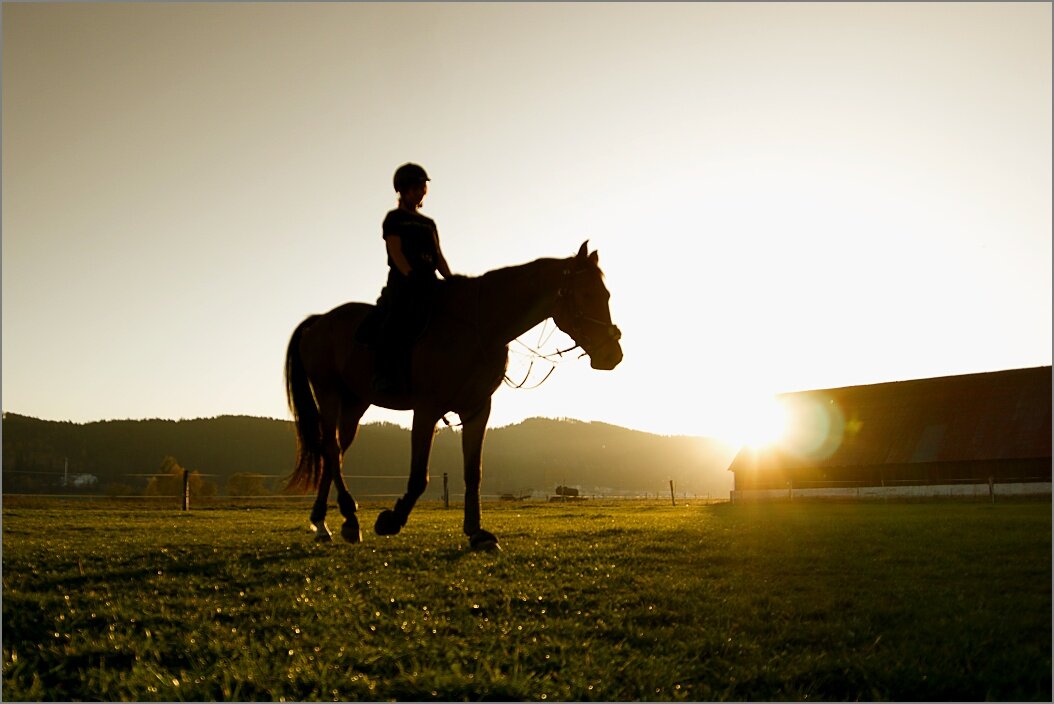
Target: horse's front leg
[475,428]
[390,522]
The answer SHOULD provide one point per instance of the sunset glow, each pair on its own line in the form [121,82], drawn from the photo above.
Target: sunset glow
[783,196]
[754,422]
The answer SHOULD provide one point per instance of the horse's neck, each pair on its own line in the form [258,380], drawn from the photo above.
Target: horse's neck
[515,299]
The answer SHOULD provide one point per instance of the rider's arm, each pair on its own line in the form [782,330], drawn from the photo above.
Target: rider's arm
[394,245]
[441,264]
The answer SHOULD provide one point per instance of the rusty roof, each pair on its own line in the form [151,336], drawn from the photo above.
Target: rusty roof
[970,417]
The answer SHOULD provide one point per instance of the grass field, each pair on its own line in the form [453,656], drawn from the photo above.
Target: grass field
[589,601]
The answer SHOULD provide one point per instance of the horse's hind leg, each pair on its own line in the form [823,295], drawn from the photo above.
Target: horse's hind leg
[350,415]
[329,408]
[318,509]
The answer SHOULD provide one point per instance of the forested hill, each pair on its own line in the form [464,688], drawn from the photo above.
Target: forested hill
[533,456]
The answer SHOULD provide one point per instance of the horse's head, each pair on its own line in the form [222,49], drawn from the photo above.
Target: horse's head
[582,310]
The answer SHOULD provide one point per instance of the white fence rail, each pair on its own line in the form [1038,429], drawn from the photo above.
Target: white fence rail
[978,491]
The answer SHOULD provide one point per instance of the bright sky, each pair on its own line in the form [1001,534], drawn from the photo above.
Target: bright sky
[784,196]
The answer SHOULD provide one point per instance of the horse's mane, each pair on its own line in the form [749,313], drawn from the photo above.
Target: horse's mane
[487,279]
[461,296]
[530,268]
[543,266]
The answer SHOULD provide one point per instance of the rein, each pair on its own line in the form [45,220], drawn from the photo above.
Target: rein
[553,358]
[522,385]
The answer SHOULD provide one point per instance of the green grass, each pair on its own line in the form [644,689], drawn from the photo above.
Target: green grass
[587,602]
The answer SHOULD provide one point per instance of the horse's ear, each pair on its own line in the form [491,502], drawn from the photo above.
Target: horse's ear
[583,251]
[595,258]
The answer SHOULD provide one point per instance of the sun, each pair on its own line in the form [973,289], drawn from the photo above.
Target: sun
[752,420]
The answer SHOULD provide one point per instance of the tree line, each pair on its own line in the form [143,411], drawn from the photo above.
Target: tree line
[243,455]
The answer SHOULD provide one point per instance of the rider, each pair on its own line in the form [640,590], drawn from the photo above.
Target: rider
[414,256]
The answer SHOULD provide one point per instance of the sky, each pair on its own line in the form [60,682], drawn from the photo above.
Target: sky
[783,196]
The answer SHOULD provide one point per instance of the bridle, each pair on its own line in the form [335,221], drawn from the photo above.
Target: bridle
[607,332]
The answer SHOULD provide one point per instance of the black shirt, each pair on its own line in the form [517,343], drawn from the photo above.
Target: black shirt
[418,235]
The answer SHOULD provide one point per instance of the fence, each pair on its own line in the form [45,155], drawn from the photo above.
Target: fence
[903,489]
[185,497]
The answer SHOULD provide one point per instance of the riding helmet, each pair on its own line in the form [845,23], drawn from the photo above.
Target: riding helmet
[408,175]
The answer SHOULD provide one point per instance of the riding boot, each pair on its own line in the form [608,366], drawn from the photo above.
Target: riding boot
[407,314]
[391,364]
[390,373]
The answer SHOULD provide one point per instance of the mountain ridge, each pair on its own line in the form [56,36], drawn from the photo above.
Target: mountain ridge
[532,456]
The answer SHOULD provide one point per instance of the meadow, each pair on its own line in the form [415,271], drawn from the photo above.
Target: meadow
[588,601]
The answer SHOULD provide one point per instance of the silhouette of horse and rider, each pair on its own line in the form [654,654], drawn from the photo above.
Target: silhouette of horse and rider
[429,346]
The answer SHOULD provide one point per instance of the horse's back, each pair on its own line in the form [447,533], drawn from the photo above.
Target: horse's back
[455,305]
[337,344]
[352,312]
[332,336]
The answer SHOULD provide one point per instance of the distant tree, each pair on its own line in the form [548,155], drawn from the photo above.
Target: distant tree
[246,485]
[170,482]
[201,487]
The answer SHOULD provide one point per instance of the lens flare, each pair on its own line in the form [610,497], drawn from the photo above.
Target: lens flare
[815,428]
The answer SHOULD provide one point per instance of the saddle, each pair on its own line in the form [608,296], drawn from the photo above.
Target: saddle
[391,330]
[371,330]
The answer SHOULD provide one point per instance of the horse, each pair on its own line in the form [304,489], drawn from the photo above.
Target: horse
[457,363]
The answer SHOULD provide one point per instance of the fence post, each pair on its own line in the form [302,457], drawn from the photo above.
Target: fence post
[446,492]
[673,499]
[186,489]
[991,488]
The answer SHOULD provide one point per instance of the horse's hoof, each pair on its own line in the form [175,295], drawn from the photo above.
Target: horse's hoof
[483,540]
[350,532]
[387,523]
[322,534]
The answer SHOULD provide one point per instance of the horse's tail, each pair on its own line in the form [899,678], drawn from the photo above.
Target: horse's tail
[308,424]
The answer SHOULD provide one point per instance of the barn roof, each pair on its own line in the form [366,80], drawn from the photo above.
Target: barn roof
[990,416]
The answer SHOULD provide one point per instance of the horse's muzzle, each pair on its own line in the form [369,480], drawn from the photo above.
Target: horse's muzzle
[607,357]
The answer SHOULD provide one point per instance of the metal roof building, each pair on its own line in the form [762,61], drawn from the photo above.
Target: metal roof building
[974,434]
